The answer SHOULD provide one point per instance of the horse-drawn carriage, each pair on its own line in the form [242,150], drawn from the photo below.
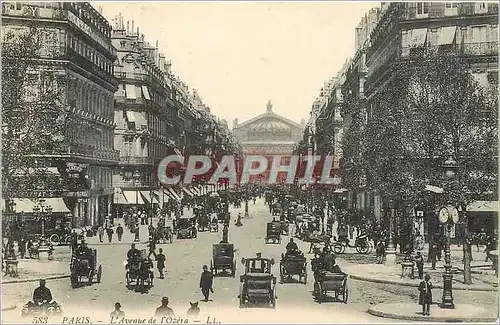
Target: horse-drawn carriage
[273,233]
[329,278]
[185,228]
[83,267]
[163,234]
[139,271]
[223,259]
[222,216]
[291,265]
[362,245]
[257,284]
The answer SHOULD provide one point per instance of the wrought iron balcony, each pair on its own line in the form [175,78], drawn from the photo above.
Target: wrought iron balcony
[134,160]
[482,48]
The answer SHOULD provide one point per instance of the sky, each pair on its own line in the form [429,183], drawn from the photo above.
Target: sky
[238,55]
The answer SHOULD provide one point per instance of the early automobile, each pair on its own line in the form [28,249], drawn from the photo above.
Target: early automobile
[203,223]
[223,259]
[362,244]
[139,272]
[257,284]
[291,265]
[41,309]
[185,228]
[83,267]
[273,233]
[214,225]
[163,234]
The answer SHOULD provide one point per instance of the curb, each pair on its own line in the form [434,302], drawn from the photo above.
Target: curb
[55,277]
[429,319]
[9,308]
[415,285]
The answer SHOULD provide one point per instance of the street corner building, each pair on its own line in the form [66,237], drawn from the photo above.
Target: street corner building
[75,55]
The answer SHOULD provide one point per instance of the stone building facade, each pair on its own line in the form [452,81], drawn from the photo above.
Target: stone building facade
[76,53]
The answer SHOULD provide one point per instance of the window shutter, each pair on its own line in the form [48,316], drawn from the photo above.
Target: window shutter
[412,10]
[436,9]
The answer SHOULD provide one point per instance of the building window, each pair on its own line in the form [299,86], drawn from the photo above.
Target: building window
[422,9]
[450,9]
[481,7]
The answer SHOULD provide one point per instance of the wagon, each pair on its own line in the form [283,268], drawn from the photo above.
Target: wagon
[185,228]
[273,233]
[214,225]
[326,282]
[83,267]
[164,235]
[257,284]
[139,274]
[203,223]
[293,265]
[223,259]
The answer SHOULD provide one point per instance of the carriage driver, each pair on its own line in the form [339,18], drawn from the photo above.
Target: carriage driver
[132,255]
[292,248]
[42,294]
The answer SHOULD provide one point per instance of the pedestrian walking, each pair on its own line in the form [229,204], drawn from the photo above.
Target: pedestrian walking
[425,296]
[22,247]
[164,310]
[206,282]
[110,232]
[380,252]
[160,262]
[119,232]
[152,247]
[136,232]
[433,254]
[100,232]
[419,260]
[117,313]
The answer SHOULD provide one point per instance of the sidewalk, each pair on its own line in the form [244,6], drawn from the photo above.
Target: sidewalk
[379,273]
[34,270]
[413,312]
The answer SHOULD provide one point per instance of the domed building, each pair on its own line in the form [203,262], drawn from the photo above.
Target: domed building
[268,134]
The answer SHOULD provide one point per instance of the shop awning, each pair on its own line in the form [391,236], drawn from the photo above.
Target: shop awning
[447,35]
[188,192]
[196,190]
[145,92]
[177,152]
[146,195]
[156,196]
[483,206]
[174,194]
[130,92]
[119,198]
[417,37]
[26,205]
[133,197]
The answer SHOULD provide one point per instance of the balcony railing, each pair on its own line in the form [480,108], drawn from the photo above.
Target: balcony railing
[132,75]
[483,48]
[124,160]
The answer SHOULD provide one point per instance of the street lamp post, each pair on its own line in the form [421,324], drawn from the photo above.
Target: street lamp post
[137,178]
[448,216]
[42,212]
[390,258]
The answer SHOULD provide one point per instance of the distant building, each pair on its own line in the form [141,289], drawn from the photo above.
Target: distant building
[268,134]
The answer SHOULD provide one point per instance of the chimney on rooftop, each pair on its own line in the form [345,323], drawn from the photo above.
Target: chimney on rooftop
[128,27]
[235,122]
[132,30]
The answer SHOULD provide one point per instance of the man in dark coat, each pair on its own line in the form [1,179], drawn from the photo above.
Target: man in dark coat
[419,260]
[42,294]
[425,297]
[206,282]
[119,232]
[160,262]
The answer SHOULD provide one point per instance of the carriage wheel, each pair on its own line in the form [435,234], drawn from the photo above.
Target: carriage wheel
[345,295]
[370,247]
[318,294]
[338,248]
[54,239]
[233,271]
[90,277]
[305,277]
[242,301]
[99,274]
[363,248]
